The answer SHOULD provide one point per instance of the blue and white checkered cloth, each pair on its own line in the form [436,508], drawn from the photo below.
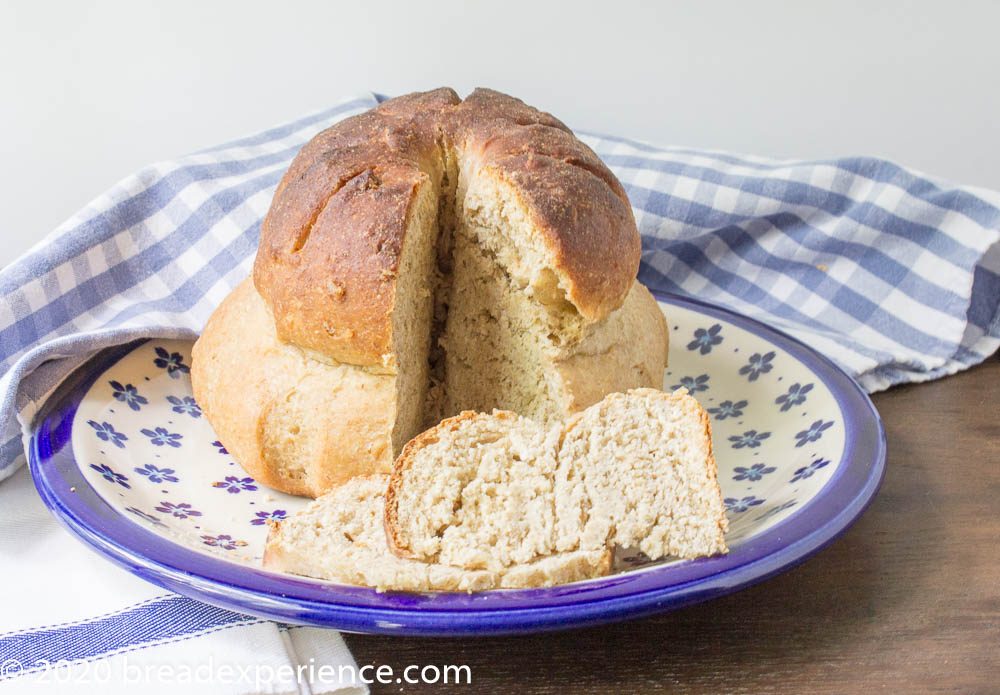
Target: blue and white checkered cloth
[893,274]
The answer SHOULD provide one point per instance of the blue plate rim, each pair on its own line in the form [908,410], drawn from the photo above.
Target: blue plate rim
[298,600]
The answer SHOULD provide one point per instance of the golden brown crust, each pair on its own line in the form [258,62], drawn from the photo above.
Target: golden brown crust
[331,243]
[329,265]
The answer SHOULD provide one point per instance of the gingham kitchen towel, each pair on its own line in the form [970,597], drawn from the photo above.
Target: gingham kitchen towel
[893,274]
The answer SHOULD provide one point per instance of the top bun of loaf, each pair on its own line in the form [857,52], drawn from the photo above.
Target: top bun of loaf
[336,239]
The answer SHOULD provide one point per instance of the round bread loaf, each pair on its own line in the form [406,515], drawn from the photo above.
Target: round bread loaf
[332,245]
[427,257]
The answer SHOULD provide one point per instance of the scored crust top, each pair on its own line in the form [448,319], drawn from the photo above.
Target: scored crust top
[331,243]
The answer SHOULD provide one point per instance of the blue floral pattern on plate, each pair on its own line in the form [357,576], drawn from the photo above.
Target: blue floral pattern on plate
[796,396]
[807,471]
[159,436]
[694,384]
[179,510]
[753,473]
[738,506]
[795,520]
[758,364]
[812,434]
[706,338]
[750,439]
[127,394]
[224,541]
[234,484]
[173,362]
[770,435]
[186,405]
[262,518]
[110,475]
[728,409]
[106,432]
[157,475]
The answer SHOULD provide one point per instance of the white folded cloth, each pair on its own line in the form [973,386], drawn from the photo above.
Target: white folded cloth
[72,622]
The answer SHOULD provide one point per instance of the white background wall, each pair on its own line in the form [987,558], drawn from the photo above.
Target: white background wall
[90,93]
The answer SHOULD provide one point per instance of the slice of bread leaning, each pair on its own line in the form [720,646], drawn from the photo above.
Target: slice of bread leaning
[489,492]
[340,537]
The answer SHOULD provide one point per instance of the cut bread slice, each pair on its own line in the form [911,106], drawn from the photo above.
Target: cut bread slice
[476,491]
[637,470]
[487,492]
[340,537]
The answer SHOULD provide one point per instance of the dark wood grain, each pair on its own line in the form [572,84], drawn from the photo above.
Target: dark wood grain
[907,601]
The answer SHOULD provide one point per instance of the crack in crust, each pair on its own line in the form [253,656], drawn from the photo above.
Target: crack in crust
[303,236]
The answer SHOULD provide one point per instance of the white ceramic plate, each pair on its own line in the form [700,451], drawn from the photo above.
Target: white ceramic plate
[786,425]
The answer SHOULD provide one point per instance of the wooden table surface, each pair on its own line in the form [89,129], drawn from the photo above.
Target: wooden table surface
[907,601]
